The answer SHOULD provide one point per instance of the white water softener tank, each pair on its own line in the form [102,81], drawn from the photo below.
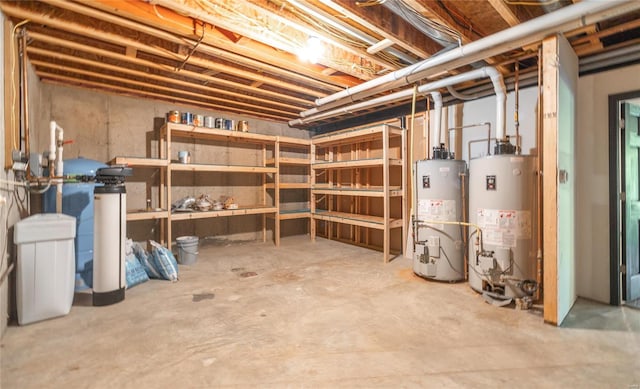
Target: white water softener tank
[502,192]
[439,197]
[110,231]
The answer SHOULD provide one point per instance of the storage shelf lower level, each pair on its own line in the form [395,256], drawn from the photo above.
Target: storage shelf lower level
[243,210]
[295,214]
[369,221]
[146,215]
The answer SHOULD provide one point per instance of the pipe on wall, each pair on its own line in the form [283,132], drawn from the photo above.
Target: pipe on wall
[484,72]
[437,117]
[568,18]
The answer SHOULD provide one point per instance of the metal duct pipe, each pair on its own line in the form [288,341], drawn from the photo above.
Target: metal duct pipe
[568,18]
[437,117]
[487,71]
[610,58]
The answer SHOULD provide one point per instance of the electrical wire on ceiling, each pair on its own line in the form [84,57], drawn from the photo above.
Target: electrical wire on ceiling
[461,20]
[540,3]
[440,33]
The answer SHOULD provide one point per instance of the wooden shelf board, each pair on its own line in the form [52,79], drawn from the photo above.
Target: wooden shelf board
[244,210]
[290,141]
[348,191]
[355,135]
[183,130]
[295,185]
[193,167]
[295,161]
[369,221]
[289,185]
[146,215]
[356,163]
[295,214]
[139,161]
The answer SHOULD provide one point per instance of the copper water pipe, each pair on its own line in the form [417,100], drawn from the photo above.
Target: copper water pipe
[22,51]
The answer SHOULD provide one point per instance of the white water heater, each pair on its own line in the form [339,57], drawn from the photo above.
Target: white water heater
[110,232]
[440,194]
[502,190]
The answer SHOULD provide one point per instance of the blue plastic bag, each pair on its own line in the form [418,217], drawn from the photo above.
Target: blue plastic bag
[145,260]
[164,262]
[134,271]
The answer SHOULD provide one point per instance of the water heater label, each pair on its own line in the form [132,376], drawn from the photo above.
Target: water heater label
[504,227]
[437,211]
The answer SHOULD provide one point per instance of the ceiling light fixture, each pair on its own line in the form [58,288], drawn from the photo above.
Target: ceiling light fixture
[312,50]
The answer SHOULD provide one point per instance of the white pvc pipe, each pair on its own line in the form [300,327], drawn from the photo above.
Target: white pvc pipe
[573,16]
[52,148]
[501,101]
[60,163]
[437,118]
[483,72]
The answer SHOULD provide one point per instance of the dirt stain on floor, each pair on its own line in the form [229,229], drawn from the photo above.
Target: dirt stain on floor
[285,276]
[202,296]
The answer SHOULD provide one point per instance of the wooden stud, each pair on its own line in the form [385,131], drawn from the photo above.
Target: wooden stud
[549,179]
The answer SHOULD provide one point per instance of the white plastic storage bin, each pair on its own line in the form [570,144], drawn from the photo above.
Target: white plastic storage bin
[46,266]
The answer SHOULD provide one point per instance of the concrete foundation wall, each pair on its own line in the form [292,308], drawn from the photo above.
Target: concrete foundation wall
[103,126]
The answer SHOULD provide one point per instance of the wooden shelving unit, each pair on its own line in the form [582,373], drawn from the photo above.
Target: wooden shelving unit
[353,181]
[359,185]
[292,154]
[264,144]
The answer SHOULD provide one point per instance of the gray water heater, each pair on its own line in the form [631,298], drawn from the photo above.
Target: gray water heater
[440,194]
[502,190]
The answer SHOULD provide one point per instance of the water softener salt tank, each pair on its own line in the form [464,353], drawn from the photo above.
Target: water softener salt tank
[77,201]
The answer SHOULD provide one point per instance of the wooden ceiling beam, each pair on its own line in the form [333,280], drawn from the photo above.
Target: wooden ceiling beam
[121,40]
[66,81]
[273,27]
[505,12]
[227,88]
[142,84]
[177,29]
[375,18]
[607,32]
[112,38]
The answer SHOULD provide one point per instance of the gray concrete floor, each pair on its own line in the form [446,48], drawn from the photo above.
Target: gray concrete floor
[321,314]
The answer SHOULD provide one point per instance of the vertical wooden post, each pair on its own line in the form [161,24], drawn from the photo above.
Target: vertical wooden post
[276,182]
[404,212]
[385,189]
[312,197]
[167,148]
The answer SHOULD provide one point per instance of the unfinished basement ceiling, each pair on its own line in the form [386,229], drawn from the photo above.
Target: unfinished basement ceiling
[241,56]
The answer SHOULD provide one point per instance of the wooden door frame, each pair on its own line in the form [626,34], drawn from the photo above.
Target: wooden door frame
[615,290]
